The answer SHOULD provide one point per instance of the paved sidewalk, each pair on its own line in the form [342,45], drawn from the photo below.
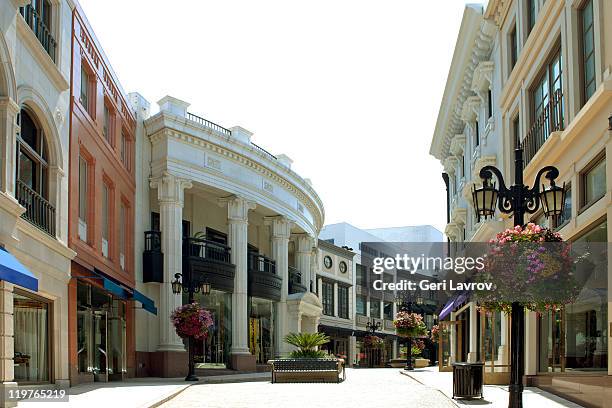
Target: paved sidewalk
[495,396]
[138,392]
[374,388]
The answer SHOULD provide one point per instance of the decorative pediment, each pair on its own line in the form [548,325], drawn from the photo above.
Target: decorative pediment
[470,109]
[457,146]
[483,76]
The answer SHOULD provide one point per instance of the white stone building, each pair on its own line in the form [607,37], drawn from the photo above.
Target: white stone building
[35,58]
[215,204]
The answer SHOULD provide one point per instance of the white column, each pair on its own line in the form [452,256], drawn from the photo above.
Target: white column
[473,353]
[237,219]
[303,258]
[7,368]
[531,343]
[280,229]
[320,288]
[170,193]
[8,144]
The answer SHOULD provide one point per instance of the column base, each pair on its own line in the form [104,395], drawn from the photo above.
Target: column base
[243,362]
[166,364]
[4,392]
[471,357]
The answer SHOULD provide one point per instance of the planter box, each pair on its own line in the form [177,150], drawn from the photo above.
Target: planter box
[421,362]
[307,370]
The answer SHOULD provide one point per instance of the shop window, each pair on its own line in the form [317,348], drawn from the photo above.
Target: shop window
[593,180]
[343,302]
[360,305]
[31,342]
[327,298]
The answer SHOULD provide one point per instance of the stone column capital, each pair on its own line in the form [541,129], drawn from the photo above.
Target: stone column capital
[304,243]
[281,226]
[237,208]
[170,188]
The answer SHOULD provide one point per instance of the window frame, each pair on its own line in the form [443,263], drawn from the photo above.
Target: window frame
[584,205]
[343,302]
[545,71]
[581,46]
[90,104]
[110,115]
[327,300]
[109,186]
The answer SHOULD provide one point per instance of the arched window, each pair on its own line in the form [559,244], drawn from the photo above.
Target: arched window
[32,178]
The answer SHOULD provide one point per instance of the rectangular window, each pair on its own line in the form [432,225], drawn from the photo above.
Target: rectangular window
[327,298]
[476,134]
[587,45]
[388,310]
[360,305]
[83,202]
[375,308]
[531,15]
[565,216]
[125,151]
[123,225]
[361,275]
[547,103]
[516,131]
[490,103]
[105,219]
[85,98]
[107,130]
[594,182]
[343,302]
[513,44]
[31,341]
[463,165]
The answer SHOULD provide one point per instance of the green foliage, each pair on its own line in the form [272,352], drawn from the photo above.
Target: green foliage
[307,344]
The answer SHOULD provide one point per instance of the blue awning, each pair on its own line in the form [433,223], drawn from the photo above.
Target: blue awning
[11,270]
[121,291]
[147,303]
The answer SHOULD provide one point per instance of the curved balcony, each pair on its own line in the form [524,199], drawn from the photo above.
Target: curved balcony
[295,281]
[263,280]
[210,261]
[226,161]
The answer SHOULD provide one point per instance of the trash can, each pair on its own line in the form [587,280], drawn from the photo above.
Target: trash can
[467,380]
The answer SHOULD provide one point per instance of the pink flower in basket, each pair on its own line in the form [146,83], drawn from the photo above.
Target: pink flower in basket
[191,320]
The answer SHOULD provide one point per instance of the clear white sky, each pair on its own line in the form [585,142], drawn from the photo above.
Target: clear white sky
[349,89]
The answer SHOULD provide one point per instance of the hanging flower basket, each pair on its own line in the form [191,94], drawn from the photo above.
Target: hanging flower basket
[191,320]
[434,335]
[372,341]
[410,325]
[531,266]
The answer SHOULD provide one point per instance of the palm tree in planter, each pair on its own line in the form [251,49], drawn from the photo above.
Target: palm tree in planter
[307,363]
[307,344]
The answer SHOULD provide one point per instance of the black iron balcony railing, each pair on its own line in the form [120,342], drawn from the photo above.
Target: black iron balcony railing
[548,121]
[206,249]
[152,258]
[40,29]
[295,281]
[39,211]
[261,263]
[207,123]
[153,241]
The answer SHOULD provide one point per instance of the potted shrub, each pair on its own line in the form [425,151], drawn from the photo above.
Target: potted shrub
[307,344]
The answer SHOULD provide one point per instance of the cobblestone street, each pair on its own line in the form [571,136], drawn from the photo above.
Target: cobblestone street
[362,388]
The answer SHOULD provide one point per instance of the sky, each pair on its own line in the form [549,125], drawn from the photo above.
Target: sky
[348,89]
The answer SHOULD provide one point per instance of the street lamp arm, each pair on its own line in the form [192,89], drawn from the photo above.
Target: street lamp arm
[486,173]
[551,174]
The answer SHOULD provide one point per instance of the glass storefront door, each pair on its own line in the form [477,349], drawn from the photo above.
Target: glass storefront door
[101,334]
[261,329]
[214,350]
[494,346]
[450,342]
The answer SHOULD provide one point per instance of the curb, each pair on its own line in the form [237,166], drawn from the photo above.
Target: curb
[431,388]
[167,398]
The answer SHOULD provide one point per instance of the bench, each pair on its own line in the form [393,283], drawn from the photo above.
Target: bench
[307,370]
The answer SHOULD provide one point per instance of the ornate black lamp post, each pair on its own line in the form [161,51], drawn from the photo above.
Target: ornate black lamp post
[190,286]
[518,200]
[405,303]
[373,327]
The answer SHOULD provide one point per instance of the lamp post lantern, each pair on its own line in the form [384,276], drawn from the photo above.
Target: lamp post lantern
[518,199]
[405,303]
[187,284]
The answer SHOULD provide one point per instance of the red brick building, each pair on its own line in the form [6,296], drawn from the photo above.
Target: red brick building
[101,216]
